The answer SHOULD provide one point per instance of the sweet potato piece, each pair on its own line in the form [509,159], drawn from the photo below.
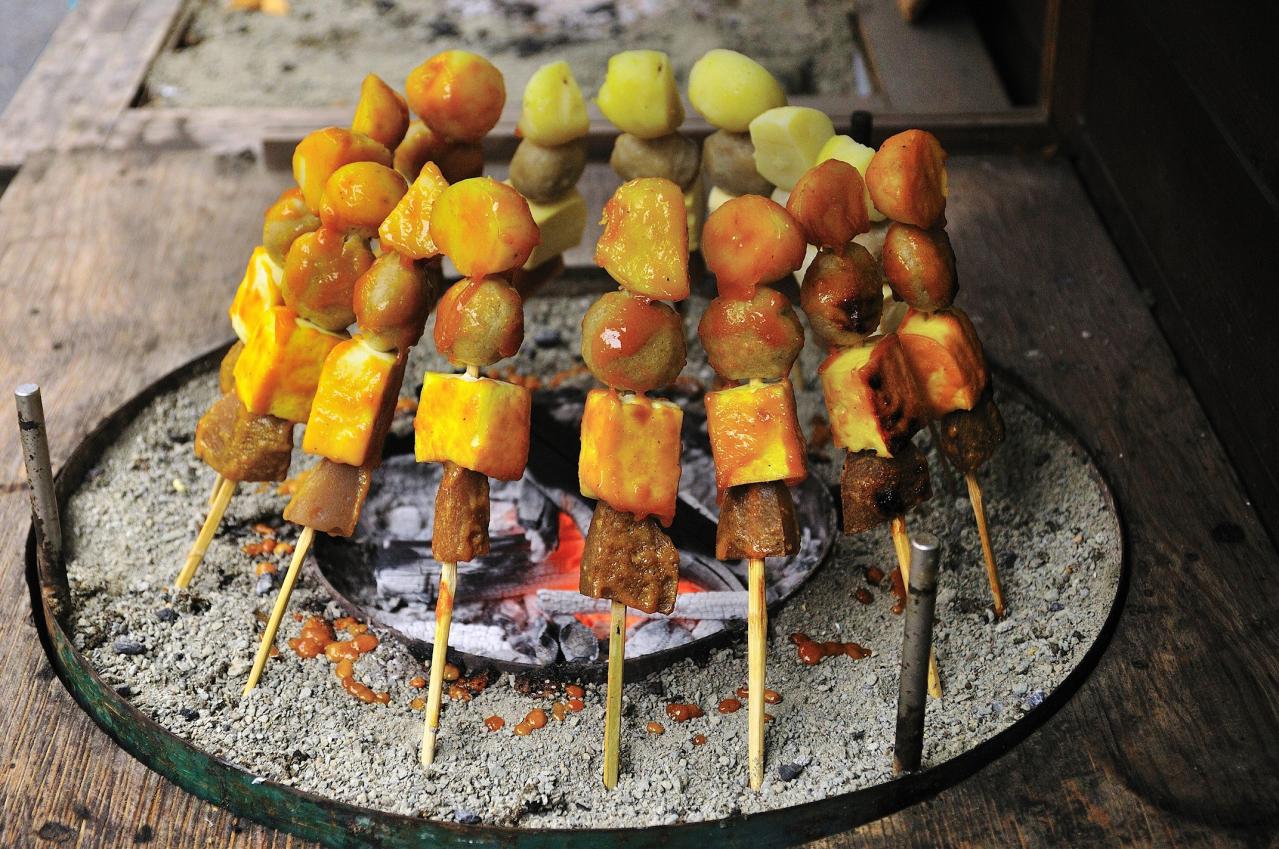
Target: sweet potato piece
[242,446]
[381,113]
[946,358]
[968,438]
[629,561]
[330,498]
[878,489]
[461,529]
[757,520]
[484,226]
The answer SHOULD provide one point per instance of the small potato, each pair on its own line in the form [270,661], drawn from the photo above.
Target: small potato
[787,140]
[639,94]
[392,300]
[855,154]
[728,163]
[920,267]
[320,273]
[842,295]
[633,343]
[358,197]
[756,338]
[381,114]
[322,152]
[546,174]
[554,111]
[829,204]
[408,228]
[458,94]
[750,241]
[731,89]
[907,179]
[285,220]
[484,226]
[674,156]
[479,322]
[644,246]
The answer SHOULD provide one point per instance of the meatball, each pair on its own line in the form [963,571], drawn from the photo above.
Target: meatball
[674,156]
[842,295]
[544,174]
[728,161]
[320,273]
[285,220]
[392,300]
[633,343]
[479,322]
[920,267]
[756,338]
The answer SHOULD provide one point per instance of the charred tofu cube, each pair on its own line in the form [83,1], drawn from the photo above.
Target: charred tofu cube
[349,403]
[755,435]
[476,422]
[280,367]
[630,453]
[872,398]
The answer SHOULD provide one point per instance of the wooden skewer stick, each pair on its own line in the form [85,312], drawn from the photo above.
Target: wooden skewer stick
[983,531]
[281,602]
[613,704]
[756,659]
[901,541]
[217,487]
[439,653]
[220,501]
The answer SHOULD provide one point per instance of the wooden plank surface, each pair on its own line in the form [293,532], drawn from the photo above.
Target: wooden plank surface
[1171,743]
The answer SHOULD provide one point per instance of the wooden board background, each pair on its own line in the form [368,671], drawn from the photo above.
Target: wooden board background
[116,267]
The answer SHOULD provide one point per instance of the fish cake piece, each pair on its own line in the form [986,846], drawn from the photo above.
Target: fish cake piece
[877,489]
[629,561]
[968,438]
[757,520]
[330,498]
[243,446]
[461,530]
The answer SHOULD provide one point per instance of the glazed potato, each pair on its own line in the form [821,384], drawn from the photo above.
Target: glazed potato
[842,295]
[457,161]
[285,220]
[392,300]
[730,89]
[380,113]
[479,322]
[829,204]
[674,156]
[855,154]
[728,162]
[644,246]
[324,151]
[358,197]
[787,140]
[920,266]
[750,241]
[408,228]
[554,111]
[320,273]
[639,94]
[633,343]
[907,179]
[946,358]
[545,174]
[458,94]
[484,226]
[756,338]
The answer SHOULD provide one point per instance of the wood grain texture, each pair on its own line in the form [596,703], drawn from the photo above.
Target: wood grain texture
[114,268]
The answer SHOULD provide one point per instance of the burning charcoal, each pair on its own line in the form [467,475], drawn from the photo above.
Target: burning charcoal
[578,643]
[124,691]
[537,642]
[706,627]
[657,635]
[465,817]
[188,714]
[124,645]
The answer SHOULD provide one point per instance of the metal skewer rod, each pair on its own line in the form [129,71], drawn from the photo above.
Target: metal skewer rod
[901,541]
[916,645]
[439,657]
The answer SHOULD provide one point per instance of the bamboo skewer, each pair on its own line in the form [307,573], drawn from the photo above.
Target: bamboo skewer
[901,541]
[756,661]
[983,531]
[221,499]
[439,653]
[613,704]
[281,603]
[217,487]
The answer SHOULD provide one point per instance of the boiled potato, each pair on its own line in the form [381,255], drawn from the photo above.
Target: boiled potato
[730,89]
[554,110]
[856,154]
[787,140]
[639,94]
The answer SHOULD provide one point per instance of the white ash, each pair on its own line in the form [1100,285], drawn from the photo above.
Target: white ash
[129,528]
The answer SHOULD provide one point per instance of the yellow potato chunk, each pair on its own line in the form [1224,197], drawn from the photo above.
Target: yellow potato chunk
[554,111]
[407,229]
[855,154]
[639,94]
[279,369]
[349,402]
[259,290]
[476,422]
[731,89]
[644,246]
[561,225]
[483,226]
[630,453]
[787,141]
[381,114]
[324,151]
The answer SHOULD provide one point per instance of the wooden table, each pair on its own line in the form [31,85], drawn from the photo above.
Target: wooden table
[116,267]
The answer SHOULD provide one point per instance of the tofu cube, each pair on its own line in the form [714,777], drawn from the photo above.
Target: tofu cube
[755,435]
[630,453]
[280,367]
[476,422]
[561,224]
[350,404]
[946,358]
[872,398]
[259,291]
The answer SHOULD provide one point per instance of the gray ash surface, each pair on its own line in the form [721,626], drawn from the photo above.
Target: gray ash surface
[130,524]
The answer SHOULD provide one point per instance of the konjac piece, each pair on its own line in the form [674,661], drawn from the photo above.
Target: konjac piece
[242,446]
[330,498]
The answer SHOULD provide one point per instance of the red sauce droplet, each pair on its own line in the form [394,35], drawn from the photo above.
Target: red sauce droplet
[683,711]
[495,723]
[899,591]
[655,727]
[699,739]
[863,596]
[812,652]
[730,706]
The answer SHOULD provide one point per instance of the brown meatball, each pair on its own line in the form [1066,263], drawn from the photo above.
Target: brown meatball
[633,343]
[968,438]
[320,275]
[728,161]
[843,295]
[285,220]
[478,322]
[756,338]
[920,267]
[461,530]
[878,489]
[674,156]
[757,520]
[629,561]
[392,300]
[544,174]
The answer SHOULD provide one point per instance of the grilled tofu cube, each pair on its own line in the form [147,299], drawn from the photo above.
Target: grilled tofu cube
[561,223]
[259,291]
[630,453]
[280,367]
[872,398]
[755,435]
[476,422]
[945,356]
[349,403]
